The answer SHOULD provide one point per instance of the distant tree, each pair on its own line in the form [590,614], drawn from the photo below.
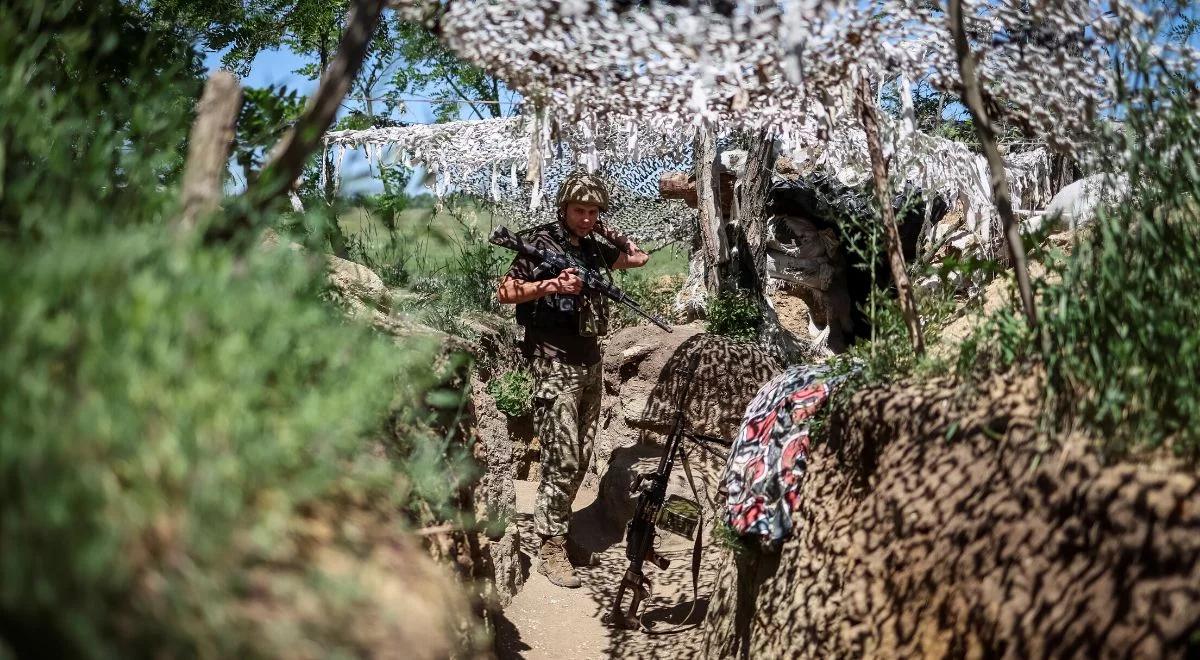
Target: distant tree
[438,73]
[137,54]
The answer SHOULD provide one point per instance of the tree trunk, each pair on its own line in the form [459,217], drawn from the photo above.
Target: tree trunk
[330,186]
[972,97]
[708,191]
[908,303]
[288,156]
[749,216]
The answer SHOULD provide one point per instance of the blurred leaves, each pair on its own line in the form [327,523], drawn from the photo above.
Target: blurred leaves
[178,417]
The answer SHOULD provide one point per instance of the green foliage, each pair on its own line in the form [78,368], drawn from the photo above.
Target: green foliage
[60,149]
[1002,341]
[727,537]
[655,295]
[267,112]
[242,30]
[150,384]
[435,71]
[513,392]
[464,283]
[1123,325]
[174,411]
[733,314]
[1119,314]
[402,58]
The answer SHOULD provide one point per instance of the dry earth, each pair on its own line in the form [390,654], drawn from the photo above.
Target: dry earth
[937,522]
[545,622]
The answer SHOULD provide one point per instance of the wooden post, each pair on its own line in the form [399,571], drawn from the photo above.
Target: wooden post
[208,147]
[908,303]
[751,204]
[708,192]
[972,97]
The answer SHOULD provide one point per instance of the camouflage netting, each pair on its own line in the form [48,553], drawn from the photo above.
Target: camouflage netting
[623,89]
[491,159]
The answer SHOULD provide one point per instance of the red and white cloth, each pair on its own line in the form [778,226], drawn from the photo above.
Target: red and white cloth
[766,465]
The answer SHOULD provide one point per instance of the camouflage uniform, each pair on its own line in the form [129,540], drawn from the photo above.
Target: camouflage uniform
[566,412]
[561,341]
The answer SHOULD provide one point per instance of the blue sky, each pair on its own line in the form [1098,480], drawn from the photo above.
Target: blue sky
[277,67]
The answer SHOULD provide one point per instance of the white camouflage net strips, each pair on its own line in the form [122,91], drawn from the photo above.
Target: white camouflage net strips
[623,91]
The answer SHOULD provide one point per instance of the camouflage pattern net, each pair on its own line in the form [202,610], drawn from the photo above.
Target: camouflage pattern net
[773,64]
[655,73]
[491,160]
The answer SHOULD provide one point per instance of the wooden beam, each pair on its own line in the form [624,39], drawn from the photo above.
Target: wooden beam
[708,193]
[750,200]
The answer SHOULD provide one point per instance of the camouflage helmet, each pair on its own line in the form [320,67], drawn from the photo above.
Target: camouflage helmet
[583,188]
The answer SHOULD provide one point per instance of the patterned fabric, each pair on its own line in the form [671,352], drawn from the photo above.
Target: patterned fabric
[559,326]
[566,412]
[766,465]
[583,188]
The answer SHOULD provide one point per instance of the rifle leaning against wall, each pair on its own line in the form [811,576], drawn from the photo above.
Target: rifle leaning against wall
[649,512]
[559,262]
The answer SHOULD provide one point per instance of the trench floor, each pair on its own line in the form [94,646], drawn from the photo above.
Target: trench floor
[548,622]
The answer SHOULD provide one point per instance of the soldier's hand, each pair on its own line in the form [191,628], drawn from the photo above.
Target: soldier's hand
[568,282]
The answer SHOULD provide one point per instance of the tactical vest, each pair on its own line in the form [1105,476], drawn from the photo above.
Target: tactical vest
[585,314]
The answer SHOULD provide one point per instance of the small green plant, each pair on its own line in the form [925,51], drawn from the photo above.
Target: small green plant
[513,392]
[735,315]
[729,538]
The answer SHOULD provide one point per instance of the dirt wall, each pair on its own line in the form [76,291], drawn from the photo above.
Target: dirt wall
[941,524]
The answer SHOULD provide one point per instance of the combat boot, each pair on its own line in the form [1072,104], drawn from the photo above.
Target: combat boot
[554,563]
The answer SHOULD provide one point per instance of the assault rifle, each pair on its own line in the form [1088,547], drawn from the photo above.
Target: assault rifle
[557,261]
[639,533]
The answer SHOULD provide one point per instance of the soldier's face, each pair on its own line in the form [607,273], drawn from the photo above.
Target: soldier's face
[582,218]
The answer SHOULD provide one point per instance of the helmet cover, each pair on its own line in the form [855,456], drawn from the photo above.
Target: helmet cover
[583,188]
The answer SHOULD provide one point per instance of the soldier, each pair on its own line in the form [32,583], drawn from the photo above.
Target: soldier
[563,324]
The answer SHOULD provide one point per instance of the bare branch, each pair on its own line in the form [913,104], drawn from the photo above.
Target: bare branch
[908,303]
[973,98]
[708,189]
[292,151]
[457,90]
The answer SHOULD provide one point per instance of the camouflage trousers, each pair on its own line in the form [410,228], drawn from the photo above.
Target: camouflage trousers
[566,412]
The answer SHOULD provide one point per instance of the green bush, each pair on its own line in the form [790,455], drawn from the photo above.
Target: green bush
[513,392]
[734,315]
[174,411]
[149,385]
[466,283]
[1119,314]
[656,297]
[1123,324]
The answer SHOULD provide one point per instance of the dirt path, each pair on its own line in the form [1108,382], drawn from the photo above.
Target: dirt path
[549,622]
